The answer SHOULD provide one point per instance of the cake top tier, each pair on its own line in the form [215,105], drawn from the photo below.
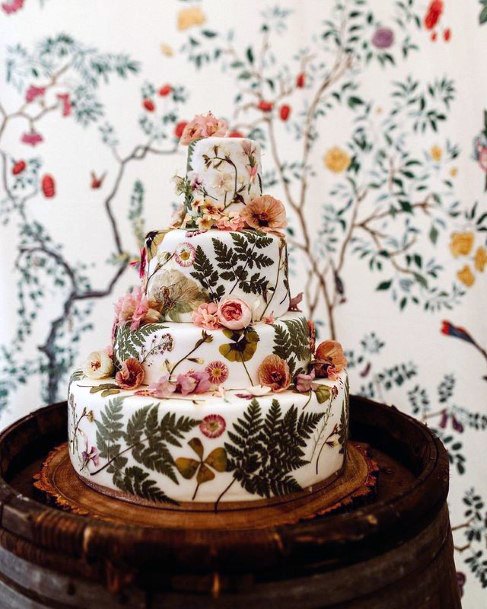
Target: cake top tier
[223,176]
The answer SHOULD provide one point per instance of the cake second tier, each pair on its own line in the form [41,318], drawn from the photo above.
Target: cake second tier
[186,268]
[231,357]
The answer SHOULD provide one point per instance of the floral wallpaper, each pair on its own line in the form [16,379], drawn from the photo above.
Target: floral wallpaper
[372,117]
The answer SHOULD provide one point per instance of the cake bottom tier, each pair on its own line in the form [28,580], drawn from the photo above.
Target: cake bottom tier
[202,451]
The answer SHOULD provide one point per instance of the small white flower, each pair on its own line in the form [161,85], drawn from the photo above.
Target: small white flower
[222,181]
[98,365]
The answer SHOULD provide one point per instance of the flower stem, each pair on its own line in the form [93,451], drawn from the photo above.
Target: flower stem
[223,493]
[197,346]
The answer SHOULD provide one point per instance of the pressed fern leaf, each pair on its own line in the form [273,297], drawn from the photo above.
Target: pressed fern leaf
[136,481]
[129,344]
[206,274]
[264,451]
[291,341]
[110,429]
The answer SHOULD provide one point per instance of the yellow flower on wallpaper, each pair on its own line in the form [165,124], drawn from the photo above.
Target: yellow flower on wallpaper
[190,17]
[480,259]
[466,276]
[436,153]
[166,49]
[337,159]
[461,243]
[453,172]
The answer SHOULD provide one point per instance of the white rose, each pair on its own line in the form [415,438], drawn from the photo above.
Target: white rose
[98,365]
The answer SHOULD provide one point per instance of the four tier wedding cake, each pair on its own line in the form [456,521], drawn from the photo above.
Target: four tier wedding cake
[212,391]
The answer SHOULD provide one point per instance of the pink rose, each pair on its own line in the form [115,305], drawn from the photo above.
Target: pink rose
[234,313]
[193,382]
[203,126]
[205,316]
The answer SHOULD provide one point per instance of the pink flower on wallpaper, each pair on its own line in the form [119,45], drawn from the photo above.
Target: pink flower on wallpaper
[33,93]
[65,100]
[12,7]
[193,382]
[32,138]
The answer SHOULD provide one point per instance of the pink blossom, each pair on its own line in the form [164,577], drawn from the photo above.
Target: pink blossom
[247,147]
[33,92]
[205,316]
[212,426]
[332,372]
[269,319]
[136,308]
[203,126]
[234,313]
[32,138]
[233,222]
[90,454]
[162,388]
[193,382]
[304,382]
[65,100]
[295,302]
[12,7]
[252,169]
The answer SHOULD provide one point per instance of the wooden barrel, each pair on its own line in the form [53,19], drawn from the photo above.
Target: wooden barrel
[393,552]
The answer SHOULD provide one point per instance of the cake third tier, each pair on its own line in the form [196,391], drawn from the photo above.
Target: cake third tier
[230,357]
[186,268]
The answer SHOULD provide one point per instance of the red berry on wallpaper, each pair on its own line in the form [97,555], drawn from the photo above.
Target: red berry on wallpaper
[300,80]
[447,34]
[284,112]
[235,133]
[433,14]
[433,36]
[179,128]
[18,167]
[48,186]
[165,90]
[265,106]
[149,105]
[95,181]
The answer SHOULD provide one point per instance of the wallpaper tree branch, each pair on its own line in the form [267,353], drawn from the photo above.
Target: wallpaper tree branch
[373,121]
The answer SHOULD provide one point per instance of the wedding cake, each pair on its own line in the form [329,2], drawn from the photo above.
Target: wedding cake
[212,392]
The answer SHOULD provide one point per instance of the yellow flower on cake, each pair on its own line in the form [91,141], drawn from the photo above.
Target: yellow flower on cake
[190,17]
[436,153]
[337,159]
[480,259]
[466,276]
[461,243]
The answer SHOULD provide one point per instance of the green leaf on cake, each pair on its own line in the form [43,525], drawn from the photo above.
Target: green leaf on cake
[323,393]
[264,451]
[147,439]
[207,275]
[291,342]
[136,481]
[243,345]
[129,343]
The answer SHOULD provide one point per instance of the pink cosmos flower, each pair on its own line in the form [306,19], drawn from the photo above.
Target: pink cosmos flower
[32,138]
[33,92]
[65,100]
[234,313]
[162,388]
[136,308]
[205,316]
[193,382]
[203,126]
[212,426]
[233,222]
[217,372]
[91,454]
[304,382]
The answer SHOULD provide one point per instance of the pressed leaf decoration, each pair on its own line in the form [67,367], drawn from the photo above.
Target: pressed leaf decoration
[204,468]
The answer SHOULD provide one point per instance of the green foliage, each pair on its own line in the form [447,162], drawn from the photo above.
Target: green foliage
[235,262]
[206,274]
[291,342]
[264,451]
[136,211]
[129,343]
[147,439]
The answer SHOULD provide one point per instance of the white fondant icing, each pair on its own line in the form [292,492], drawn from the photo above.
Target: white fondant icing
[96,426]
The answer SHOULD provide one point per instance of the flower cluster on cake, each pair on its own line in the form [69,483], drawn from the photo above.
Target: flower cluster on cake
[212,390]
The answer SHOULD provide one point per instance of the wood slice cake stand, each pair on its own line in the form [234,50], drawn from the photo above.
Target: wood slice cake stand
[359,543]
